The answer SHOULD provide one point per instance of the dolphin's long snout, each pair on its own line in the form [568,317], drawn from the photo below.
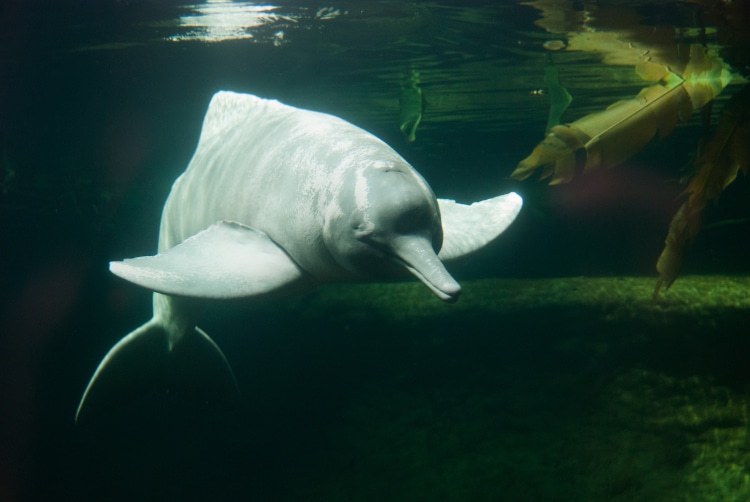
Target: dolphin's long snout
[417,255]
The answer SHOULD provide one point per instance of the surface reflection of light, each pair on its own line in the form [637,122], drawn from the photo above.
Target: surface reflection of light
[219,20]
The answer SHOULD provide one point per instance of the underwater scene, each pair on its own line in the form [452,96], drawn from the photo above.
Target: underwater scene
[361,336]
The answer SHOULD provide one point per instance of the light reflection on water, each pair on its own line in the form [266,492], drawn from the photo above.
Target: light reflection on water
[219,20]
[223,20]
[482,65]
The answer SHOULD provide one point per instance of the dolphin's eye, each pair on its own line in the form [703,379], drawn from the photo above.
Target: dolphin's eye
[362,229]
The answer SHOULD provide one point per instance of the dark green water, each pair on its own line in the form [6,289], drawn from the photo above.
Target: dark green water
[528,389]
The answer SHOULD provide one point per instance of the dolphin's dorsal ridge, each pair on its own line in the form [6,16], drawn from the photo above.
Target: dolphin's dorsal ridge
[227,260]
[227,109]
[469,228]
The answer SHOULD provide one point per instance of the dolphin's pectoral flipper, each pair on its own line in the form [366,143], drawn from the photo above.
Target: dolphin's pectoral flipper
[468,228]
[142,362]
[227,260]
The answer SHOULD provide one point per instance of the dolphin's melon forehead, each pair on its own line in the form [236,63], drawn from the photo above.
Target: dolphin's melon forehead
[391,161]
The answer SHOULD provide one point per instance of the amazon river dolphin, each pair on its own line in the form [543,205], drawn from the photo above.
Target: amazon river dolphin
[277,200]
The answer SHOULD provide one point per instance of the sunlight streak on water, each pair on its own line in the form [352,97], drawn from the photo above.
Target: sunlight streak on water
[220,20]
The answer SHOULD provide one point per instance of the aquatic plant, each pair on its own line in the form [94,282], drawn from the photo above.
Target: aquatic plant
[610,137]
[722,157]
[680,86]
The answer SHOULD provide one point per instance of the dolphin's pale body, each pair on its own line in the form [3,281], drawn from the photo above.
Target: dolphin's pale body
[276,200]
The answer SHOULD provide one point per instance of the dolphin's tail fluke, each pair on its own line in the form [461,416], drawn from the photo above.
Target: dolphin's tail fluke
[143,361]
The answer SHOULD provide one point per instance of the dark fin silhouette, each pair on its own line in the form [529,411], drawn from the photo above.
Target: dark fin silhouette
[559,96]
[142,361]
[411,106]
